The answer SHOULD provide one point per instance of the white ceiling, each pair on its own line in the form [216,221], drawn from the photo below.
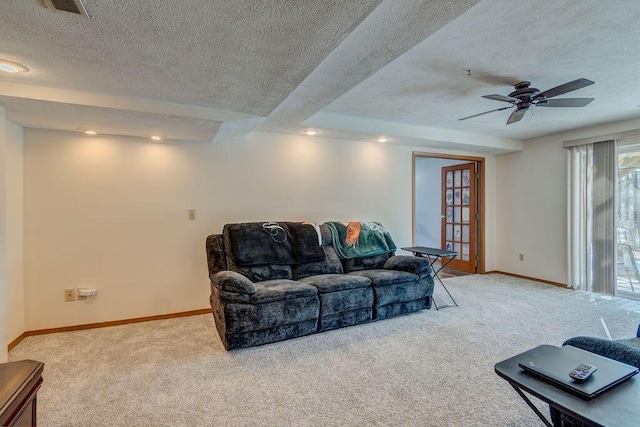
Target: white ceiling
[354,69]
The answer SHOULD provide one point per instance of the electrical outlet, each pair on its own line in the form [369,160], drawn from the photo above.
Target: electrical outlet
[191,213]
[80,297]
[521,257]
[69,295]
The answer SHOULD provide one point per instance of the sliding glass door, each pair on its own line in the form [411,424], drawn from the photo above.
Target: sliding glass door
[604,217]
[628,221]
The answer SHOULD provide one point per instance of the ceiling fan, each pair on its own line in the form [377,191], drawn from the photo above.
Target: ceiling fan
[524,97]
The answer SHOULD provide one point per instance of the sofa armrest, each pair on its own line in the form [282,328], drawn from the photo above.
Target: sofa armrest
[408,263]
[610,349]
[230,281]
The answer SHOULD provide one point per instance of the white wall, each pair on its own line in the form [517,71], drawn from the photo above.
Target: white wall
[428,198]
[111,212]
[531,204]
[3,239]
[531,211]
[11,216]
[15,258]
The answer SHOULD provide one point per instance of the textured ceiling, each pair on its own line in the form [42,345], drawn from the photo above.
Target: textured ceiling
[355,69]
[559,42]
[241,55]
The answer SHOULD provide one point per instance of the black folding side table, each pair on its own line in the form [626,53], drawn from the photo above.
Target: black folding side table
[616,407]
[433,254]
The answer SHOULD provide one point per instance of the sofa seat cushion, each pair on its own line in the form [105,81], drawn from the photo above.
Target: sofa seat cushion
[380,277]
[281,289]
[326,283]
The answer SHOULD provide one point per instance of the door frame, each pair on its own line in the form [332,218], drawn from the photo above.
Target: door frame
[480,189]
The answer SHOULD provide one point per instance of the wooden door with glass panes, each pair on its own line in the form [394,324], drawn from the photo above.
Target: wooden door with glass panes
[459,215]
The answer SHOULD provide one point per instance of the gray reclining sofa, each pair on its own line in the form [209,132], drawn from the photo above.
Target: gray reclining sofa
[271,284]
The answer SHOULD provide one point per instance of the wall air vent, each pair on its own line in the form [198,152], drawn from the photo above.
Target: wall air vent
[73,6]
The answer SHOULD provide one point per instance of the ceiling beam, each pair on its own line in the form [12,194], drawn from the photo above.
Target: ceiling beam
[144,105]
[405,130]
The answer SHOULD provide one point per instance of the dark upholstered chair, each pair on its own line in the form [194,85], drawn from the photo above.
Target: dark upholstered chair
[625,351]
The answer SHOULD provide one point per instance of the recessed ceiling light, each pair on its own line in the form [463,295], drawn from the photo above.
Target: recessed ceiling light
[311,132]
[156,137]
[12,67]
[382,139]
[88,131]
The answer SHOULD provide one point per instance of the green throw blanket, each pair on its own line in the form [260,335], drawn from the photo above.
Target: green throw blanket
[360,239]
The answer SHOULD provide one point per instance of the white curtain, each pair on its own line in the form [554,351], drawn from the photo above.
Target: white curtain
[591,229]
[580,166]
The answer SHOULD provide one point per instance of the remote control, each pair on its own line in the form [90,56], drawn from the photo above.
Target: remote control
[582,372]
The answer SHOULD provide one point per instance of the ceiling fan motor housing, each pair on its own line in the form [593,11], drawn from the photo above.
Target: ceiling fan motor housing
[523,92]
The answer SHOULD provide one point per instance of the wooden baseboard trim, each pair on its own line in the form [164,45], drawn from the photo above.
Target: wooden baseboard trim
[16,341]
[22,336]
[535,279]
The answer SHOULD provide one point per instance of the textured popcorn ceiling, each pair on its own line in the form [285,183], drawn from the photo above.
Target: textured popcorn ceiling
[548,42]
[241,55]
[200,70]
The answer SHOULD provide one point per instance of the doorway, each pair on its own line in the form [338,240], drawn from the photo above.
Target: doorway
[430,207]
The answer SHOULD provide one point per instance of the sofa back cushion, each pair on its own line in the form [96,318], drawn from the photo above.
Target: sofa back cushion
[218,260]
[259,273]
[365,263]
[267,250]
[329,265]
[218,256]
[265,243]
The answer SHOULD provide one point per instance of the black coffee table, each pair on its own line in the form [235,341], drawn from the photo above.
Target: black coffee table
[616,407]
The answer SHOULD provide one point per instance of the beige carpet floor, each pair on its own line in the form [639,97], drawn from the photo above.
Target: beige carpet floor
[433,368]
